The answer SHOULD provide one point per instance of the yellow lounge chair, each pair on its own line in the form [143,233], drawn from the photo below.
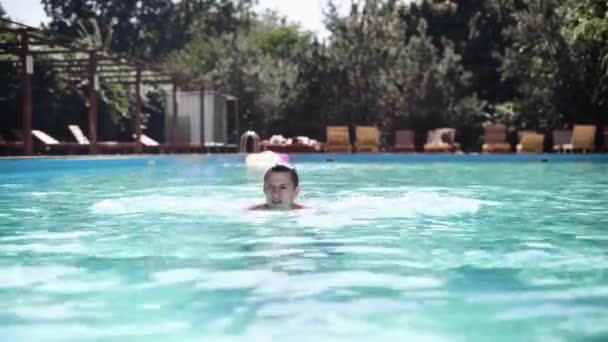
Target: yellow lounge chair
[531,142]
[583,139]
[338,139]
[367,139]
[495,139]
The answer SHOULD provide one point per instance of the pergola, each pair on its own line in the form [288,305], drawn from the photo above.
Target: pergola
[76,61]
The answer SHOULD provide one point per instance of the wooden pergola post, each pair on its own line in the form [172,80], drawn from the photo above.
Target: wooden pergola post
[97,65]
[27,69]
[174,118]
[138,147]
[93,87]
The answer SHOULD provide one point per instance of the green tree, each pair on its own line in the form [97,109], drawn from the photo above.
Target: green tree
[475,29]
[435,85]
[393,78]
[587,30]
[255,63]
[356,55]
[539,62]
[145,29]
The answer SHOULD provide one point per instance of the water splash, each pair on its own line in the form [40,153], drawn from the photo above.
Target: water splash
[407,205]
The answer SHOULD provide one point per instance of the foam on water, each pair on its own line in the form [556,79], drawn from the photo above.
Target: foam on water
[74,286]
[80,332]
[176,276]
[354,207]
[48,312]
[153,204]
[408,205]
[46,235]
[39,248]
[26,276]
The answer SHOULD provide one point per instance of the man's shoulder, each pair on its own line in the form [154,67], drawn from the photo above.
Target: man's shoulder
[262,206]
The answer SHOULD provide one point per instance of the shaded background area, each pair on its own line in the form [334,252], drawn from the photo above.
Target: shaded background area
[534,65]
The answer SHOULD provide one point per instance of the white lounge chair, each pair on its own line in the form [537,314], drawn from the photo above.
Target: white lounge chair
[45,138]
[52,144]
[147,141]
[77,133]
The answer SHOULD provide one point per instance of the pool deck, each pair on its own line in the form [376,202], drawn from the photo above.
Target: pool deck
[439,158]
[339,157]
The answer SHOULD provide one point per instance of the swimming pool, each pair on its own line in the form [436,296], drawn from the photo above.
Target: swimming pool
[461,248]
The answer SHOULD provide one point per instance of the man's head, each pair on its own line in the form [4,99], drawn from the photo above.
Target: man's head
[281,186]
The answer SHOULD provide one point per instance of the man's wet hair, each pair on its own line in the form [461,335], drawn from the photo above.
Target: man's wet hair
[284,168]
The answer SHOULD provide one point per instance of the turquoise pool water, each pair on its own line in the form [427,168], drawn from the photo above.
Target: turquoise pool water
[159,249]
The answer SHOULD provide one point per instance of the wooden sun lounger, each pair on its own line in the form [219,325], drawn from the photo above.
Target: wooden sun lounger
[51,144]
[338,140]
[495,139]
[77,133]
[149,144]
[154,146]
[531,142]
[404,141]
[367,139]
[10,147]
[561,138]
[583,139]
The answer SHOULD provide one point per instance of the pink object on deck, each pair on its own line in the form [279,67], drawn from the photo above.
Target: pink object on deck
[266,159]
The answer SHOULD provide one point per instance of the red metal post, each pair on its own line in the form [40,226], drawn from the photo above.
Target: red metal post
[93,84]
[138,147]
[174,118]
[236,114]
[203,126]
[26,95]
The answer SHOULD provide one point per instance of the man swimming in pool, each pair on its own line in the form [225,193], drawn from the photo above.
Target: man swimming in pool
[281,187]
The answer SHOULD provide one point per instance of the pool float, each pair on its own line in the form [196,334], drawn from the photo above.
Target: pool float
[266,159]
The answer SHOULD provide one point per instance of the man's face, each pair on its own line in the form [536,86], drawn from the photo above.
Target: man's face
[280,191]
